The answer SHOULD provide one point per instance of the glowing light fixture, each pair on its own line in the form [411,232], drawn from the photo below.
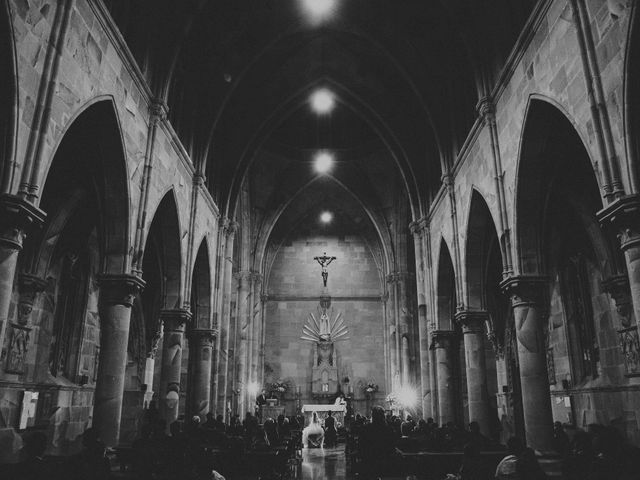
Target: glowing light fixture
[323,161]
[319,10]
[253,388]
[407,397]
[322,101]
[326,217]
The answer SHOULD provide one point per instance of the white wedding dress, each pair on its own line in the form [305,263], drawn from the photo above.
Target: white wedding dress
[313,433]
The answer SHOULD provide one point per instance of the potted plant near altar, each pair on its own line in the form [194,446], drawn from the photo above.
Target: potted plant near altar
[279,388]
[370,388]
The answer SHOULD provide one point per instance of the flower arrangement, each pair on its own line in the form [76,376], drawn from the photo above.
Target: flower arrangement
[392,399]
[370,388]
[279,387]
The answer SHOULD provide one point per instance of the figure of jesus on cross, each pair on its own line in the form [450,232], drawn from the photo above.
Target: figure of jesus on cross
[324,262]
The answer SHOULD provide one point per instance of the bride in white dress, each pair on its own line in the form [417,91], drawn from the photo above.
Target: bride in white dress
[313,433]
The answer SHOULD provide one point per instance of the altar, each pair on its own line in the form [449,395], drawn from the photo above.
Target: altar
[338,412]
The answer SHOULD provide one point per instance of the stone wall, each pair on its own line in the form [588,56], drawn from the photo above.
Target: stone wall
[294,286]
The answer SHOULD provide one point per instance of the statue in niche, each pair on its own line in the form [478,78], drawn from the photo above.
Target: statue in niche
[324,330]
[17,353]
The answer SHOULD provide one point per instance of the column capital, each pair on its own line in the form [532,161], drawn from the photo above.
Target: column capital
[472,321]
[525,289]
[264,297]
[624,216]
[419,227]
[486,109]
[174,319]
[158,111]
[16,217]
[120,289]
[206,336]
[442,339]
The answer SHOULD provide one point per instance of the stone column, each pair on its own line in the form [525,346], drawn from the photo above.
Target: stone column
[527,295]
[418,229]
[16,217]
[173,322]
[117,293]
[444,342]
[623,217]
[404,324]
[244,327]
[224,311]
[473,333]
[256,336]
[200,347]
[393,332]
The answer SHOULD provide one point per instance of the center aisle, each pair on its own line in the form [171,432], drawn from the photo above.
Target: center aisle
[324,464]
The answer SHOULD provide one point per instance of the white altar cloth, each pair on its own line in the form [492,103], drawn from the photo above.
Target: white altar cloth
[324,408]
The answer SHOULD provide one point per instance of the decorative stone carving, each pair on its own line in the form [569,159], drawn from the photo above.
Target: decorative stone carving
[472,321]
[174,320]
[203,337]
[30,286]
[618,288]
[120,289]
[17,216]
[630,345]
[18,346]
[528,298]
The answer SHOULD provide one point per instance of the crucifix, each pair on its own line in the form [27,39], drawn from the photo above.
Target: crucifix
[324,262]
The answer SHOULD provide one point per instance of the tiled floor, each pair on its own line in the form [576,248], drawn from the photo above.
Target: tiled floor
[324,464]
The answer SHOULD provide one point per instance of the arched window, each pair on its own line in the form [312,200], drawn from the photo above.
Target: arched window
[576,296]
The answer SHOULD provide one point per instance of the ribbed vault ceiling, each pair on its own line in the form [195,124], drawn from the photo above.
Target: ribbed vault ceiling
[236,76]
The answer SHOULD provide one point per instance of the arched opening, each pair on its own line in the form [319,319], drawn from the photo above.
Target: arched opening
[294,284]
[161,273]
[559,236]
[484,274]
[85,234]
[446,289]
[450,355]
[196,353]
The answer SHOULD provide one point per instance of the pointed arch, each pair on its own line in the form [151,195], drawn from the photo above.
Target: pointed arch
[350,100]
[446,298]
[89,163]
[163,243]
[554,170]
[201,290]
[482,239]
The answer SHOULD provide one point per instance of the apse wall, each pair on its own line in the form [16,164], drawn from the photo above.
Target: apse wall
[294,286]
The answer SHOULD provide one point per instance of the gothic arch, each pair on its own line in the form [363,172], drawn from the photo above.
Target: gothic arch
[89,160]
[553,160]
[446,298]
[482,240]
[351,101]
[201,290]
[375,218]
[165,240]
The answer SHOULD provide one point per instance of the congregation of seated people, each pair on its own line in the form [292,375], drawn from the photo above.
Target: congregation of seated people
[386,445]
[377,446]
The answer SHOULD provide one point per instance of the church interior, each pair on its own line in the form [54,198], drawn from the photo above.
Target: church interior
[295,207]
